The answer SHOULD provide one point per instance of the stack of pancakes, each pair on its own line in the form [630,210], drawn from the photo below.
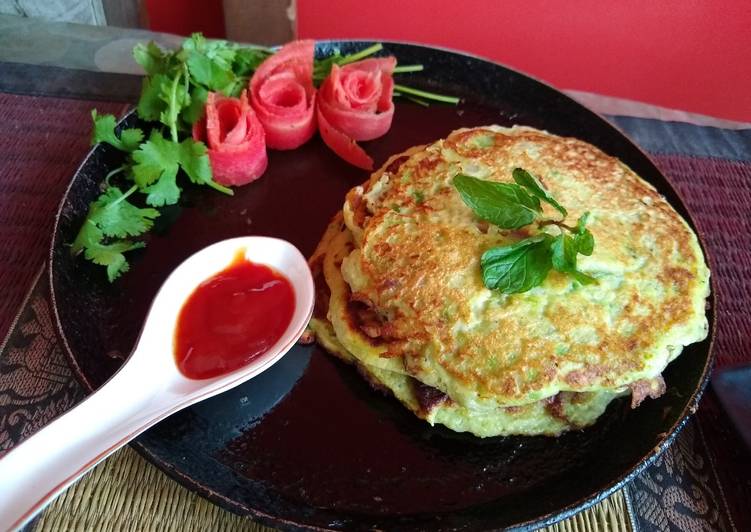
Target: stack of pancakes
[401,296]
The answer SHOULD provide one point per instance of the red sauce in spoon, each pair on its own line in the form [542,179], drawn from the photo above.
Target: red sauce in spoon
[232,318]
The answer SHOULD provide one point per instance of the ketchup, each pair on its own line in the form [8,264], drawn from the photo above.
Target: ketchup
[232,318]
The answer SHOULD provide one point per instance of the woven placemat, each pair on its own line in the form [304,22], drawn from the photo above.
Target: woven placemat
[127,493]
[703,481]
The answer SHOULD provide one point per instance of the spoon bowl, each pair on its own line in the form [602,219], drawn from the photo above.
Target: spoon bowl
[149,386]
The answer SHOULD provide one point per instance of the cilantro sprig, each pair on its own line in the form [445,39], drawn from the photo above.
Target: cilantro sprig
[110,221]
[150,168]
[173,96]
[520,266]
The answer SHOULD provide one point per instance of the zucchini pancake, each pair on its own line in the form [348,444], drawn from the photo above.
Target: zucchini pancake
[401,293]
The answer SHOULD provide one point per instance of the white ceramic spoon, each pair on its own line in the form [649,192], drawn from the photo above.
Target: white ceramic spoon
[148,387]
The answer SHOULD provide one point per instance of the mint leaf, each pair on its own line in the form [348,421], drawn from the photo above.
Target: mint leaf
[585,242]
[104,131]
[565,251]
[530,182]
[518,267]
[506,205]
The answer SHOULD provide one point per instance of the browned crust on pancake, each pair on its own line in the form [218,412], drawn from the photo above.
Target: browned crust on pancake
[421,278]
[644,388]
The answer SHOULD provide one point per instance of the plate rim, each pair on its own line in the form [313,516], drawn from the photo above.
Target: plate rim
[548,518]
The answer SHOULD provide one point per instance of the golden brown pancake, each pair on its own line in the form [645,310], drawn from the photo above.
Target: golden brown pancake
[407,295]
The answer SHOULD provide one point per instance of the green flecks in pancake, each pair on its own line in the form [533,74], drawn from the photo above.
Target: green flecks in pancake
[407,299]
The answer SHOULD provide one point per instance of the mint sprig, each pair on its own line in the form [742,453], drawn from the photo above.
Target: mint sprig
[521,266]
[504,204]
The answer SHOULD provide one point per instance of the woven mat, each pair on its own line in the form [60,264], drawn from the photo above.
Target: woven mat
[703,481]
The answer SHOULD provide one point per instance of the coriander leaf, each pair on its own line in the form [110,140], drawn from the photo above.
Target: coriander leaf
[87,236]
[111,256]
[112,216]
[155,156]
[247,60]
[176,96]
[104,131]
[220,52]
[209,63]
[117,217]
[206,72]
[150,104]
[235,87]
[193,112]
[157,162]
[164,191]
[151,58]
[155,169]
[195,161]
[518,267]
[506,205]
[531,183]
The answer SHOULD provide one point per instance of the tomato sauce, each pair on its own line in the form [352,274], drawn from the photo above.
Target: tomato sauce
[232,318]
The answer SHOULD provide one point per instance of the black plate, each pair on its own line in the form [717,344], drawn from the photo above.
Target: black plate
[308,443]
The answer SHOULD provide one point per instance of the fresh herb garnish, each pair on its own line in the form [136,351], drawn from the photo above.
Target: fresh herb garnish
[518,267]
[151,168]
[174,94]
[504,204]
[110,220]
[530,182]
[104,131]
[525,264]
[178,81]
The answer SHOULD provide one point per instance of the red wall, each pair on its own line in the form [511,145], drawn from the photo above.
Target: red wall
[693,55]
[184,17]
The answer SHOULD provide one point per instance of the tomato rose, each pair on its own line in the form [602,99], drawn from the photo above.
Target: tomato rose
[283,96]
[235,139]
[355,103]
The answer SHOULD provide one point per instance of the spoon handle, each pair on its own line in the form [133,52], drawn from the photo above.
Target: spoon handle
[33,473]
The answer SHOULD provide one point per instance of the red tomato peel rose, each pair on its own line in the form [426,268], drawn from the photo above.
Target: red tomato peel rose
[354,104]
[235,139]
[283,96]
